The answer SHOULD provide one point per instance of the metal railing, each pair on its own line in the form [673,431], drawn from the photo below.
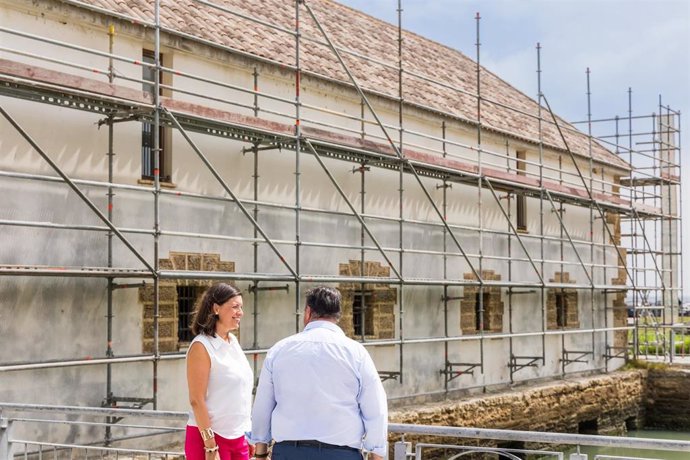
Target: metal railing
[488,443]
[551,445]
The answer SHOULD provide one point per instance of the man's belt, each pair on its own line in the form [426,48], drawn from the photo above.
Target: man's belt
[314,443]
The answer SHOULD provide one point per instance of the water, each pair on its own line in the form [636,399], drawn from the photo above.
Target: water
[638,453]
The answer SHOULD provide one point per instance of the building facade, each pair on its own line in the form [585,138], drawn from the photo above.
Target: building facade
[475,236]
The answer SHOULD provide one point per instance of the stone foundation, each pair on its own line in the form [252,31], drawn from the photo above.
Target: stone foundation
[668,399]
[607,404]
[612,403]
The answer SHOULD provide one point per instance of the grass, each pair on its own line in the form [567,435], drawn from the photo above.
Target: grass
[648,342]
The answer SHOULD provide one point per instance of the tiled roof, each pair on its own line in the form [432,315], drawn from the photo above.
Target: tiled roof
[373,38]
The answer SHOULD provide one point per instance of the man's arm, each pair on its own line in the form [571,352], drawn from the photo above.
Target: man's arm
[264,403]
[374,408]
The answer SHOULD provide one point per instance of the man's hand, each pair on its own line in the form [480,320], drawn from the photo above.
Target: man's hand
[374,457]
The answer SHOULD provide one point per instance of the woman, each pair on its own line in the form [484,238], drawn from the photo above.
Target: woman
[220,380]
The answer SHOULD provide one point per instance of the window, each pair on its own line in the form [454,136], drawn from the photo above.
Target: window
[147,128]
[521,210]
[561,309]
[481,320]
[186,299]
[362,317]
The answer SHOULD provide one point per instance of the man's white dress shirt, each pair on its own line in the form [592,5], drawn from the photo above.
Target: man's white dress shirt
[321,385]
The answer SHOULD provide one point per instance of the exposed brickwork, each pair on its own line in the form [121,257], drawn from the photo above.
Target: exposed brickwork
[380,300]
[167,300]
[492,303]
[569,296]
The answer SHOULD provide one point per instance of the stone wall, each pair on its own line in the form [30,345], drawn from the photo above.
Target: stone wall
[612,402]
[668,399]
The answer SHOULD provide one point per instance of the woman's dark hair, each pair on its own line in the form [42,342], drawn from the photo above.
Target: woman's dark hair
[204,317]
[324,302]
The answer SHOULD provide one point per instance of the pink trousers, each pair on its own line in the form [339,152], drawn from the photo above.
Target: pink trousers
[229,449]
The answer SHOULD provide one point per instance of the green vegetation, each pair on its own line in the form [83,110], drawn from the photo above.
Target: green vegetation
[651,342]
[642,364]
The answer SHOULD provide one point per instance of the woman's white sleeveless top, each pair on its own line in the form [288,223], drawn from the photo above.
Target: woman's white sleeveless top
[230,383]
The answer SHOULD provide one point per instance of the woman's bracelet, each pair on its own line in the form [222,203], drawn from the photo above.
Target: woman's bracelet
[210,450]
[206,434]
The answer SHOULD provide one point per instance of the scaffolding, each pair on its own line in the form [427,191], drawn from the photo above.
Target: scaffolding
[646,252]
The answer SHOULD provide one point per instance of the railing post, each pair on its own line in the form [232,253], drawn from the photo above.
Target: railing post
[672,351]
[401,450]
[5,446]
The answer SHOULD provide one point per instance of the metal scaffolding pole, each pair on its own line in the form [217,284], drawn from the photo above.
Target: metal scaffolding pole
[298,166]
[591,211]
[542,290]
[480,209]
[108,400]
[156,199]
[401,191]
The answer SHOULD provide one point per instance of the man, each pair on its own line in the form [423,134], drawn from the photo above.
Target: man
[319,395]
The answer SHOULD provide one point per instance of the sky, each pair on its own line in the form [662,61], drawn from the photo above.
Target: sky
[643,45]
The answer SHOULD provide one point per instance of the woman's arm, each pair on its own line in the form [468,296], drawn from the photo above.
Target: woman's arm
[198,370]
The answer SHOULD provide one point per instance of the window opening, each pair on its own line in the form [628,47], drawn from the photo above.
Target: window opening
[362,315]
[561,310]
[478,314]
[521,202]
[147,127]
[186,299]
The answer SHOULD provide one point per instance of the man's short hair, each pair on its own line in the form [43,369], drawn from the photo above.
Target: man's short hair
[324,302]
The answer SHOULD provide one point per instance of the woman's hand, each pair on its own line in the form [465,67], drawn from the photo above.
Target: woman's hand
[252,449]
[212,455]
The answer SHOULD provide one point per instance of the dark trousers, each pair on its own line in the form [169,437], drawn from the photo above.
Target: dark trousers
[288,451]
